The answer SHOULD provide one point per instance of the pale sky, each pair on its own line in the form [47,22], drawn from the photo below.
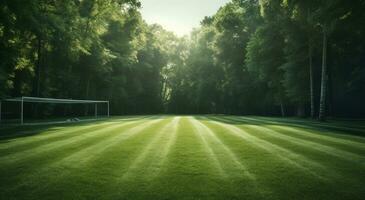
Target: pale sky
[179,16]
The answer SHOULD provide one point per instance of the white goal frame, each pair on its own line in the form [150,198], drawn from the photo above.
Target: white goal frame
[23,100]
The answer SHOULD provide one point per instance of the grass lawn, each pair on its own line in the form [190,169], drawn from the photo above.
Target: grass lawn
[187,157]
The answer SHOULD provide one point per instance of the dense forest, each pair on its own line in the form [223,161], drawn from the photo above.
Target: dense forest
[257,57]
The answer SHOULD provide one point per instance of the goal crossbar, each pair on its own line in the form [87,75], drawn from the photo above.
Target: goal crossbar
[23,100]
[51,100]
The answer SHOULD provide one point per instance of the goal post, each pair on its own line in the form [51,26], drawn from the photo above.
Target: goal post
[23,100]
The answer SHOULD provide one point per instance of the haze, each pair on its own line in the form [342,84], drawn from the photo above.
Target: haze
[179,16]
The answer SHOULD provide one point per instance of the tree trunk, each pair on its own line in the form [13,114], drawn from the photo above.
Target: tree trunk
[311,77]
[330,103]
[38,70]
[324,79]
[164,90]
[87,94]
[38,73]
[111,94]
[282,109]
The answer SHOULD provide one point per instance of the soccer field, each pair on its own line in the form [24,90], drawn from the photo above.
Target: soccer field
[184,157]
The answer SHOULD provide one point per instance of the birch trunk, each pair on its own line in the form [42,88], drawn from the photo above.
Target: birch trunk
[324,79]
[311,80]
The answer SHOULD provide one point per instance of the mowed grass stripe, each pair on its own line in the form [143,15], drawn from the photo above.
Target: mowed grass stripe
[338,134]
[350,146]
[56,133]
[50,133]
[29,133]
[65,170]
[148,160]
[37,162]
[23,144]
[354,126]
[76,141]
[188,172]
[115,162]
[270,169]
[323,165]
[165,157]
[97,149]
[168,142]
[356,149]
[223,152]
[326,160]
[208,148]
[348,156]
[299,161]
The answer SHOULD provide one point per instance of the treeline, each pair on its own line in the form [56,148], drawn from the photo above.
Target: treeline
[262,57]
[90,49]
[275,57]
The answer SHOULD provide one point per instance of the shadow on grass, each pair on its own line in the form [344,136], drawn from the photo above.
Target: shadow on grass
[9,132]
[338,128]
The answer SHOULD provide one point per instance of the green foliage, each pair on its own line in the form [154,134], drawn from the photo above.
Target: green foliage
[251,57]
[91,49]
[254,57]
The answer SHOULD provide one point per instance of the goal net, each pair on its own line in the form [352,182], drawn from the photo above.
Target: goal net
[35,110]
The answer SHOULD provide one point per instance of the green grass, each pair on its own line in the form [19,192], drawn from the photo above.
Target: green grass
[172,157]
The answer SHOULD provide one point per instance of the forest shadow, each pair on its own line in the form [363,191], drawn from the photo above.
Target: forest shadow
[303,124]
[9,132]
